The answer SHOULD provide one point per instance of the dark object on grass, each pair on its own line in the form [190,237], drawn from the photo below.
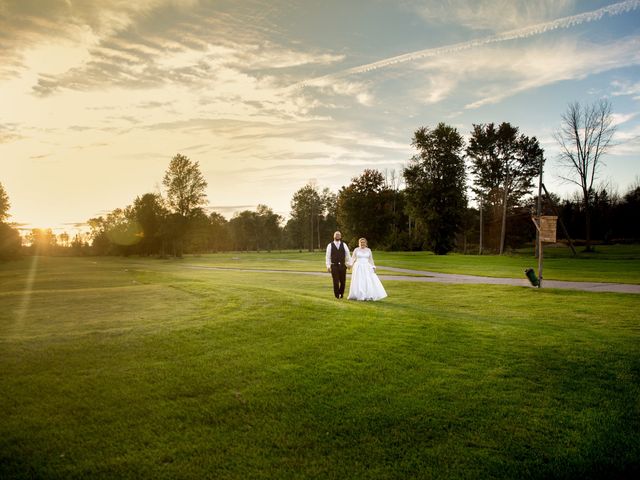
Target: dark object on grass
[531,275]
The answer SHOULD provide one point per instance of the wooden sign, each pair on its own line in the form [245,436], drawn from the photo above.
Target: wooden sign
[548,228]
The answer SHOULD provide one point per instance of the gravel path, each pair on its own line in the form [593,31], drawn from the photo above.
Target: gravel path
[436,277]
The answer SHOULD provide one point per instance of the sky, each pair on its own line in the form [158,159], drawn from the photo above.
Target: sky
[97,96]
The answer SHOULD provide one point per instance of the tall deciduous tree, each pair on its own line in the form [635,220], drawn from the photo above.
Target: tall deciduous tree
[365,208]
[435,185]
[218,232]
[258,230]
[185,191]
[270,232]
[185,186]
[150,214]
[504,164]
[584,136]
[307,210]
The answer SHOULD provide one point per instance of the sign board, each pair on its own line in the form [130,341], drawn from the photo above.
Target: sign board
[548,228]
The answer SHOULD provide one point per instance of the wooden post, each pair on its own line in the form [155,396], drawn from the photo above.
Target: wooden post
[538,235]
[540,255]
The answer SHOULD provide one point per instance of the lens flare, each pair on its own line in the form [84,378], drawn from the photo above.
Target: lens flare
[26,294]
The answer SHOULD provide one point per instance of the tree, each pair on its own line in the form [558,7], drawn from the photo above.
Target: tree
[4,204]
[504,164]
[78,245]
[100,243]
[150,213]
[63,239]
[629,214]
[435,185]
[218,233]
[42,241]
[584,136]
[243,230]
[269,231]
[185,186]
[259,230]
[365,208]
[307,209]
[197,238]
[328,223]
[116,234]
[10,241]
[185,190]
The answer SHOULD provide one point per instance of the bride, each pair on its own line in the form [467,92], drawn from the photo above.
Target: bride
[365,284]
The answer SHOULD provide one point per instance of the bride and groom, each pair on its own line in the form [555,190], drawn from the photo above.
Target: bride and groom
[365,284]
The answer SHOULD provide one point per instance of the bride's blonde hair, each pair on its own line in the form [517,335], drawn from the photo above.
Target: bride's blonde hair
[363,240]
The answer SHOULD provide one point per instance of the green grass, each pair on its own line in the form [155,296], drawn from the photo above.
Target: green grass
[616,263]
[133,368]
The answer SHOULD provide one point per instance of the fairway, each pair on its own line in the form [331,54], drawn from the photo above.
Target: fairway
[143,368]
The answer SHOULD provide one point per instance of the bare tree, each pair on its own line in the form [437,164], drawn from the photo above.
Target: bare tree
[584,136]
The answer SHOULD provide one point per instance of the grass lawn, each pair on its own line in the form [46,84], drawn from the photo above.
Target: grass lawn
[610,263]
[140,368]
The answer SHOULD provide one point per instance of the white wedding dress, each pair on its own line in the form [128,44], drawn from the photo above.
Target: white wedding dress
[365,284]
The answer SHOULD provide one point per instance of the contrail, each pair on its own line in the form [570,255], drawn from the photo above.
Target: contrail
[565,22]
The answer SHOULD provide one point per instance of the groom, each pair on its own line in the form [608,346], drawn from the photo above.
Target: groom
[337,259]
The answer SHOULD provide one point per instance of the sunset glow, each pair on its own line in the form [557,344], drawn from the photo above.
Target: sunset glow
[98,96]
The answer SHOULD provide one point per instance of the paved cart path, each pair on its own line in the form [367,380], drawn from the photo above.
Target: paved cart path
[436,277]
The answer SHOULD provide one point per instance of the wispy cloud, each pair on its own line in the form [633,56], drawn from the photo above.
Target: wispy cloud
[520,33]
[627,141]
[496,15]
[29,27]
[626,88]
[618,119]
[517,70]
[9,133]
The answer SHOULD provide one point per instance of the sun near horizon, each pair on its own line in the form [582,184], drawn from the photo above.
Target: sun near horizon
[99,96]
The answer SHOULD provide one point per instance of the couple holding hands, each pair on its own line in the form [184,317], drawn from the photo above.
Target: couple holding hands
[365,284]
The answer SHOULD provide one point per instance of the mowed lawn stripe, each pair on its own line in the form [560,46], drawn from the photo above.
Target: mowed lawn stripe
[196,374]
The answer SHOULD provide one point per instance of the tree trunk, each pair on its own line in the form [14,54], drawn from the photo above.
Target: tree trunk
[503,229]
[587,225]
[480,247]
[311,232]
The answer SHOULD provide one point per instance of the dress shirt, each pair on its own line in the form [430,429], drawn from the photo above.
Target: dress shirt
[347,255]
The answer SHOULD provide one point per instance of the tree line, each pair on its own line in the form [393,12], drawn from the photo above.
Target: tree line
[498,165]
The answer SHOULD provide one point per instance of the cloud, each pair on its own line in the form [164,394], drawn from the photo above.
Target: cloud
[472,79]
[512,71]
[28,26]
[624,88]
[627,142]
[520,33]
[144,44]
[9,133]
[618,119]
[496,15]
